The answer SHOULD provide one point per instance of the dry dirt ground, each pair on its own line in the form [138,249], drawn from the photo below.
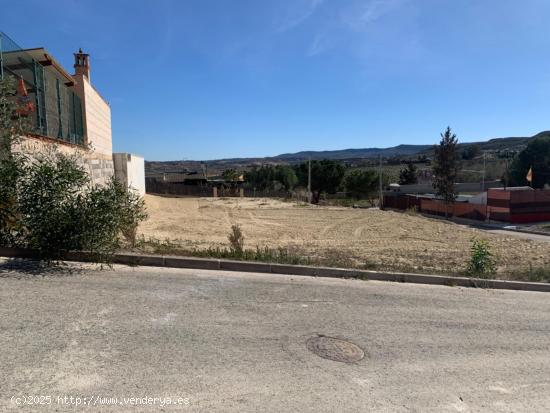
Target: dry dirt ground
[382,239]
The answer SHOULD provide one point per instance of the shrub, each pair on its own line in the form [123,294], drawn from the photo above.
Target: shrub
[9,223]
[413,210]
[132,213]
[482,263]
[107,212]
[60,210]
[236,239]
[49,203]
[11,127]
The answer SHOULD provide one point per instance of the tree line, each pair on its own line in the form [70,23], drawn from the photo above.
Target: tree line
[330,176]
[327,176]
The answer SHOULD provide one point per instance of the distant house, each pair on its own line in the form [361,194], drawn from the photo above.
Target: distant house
[65,110]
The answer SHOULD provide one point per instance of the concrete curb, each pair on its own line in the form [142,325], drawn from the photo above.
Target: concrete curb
[298,270]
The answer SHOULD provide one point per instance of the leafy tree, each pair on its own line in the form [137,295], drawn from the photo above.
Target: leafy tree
[445,167]
[285,175]
[326,176]
[408,175]
[230,175]
[536,156]
[269,177]
[258,178]
[361,183]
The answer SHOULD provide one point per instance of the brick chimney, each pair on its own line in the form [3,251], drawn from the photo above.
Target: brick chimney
[82,64]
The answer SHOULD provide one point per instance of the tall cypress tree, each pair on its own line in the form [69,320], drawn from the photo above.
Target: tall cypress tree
[446,167]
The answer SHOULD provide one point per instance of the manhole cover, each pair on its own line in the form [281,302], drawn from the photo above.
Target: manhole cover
[335,349]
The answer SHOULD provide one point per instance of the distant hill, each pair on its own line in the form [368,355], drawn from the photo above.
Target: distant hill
[405,151]
[511,144]
[343,154]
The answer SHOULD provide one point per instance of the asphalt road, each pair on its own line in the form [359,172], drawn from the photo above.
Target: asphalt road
[237,342]
[524,235]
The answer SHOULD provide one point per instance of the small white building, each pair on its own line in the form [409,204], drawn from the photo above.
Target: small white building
[130,171]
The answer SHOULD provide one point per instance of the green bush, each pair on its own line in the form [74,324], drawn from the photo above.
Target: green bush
[9,223]
[107,213]
[50,204]
[482,263]
[60,210]
[11,127]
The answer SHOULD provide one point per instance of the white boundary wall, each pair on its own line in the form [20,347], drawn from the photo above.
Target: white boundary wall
[130,171]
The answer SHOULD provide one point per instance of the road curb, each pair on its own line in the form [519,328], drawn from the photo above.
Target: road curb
[133,259]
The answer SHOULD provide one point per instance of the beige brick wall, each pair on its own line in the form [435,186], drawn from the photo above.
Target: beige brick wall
[97,118]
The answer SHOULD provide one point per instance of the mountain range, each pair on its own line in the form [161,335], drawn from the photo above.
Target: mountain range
[217,165]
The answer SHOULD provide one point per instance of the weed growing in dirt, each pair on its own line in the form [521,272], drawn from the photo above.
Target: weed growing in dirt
[482,263]
[538,274]
[274,255]
[236,239]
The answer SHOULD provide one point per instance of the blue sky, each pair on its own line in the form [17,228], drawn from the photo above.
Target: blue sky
[206,79]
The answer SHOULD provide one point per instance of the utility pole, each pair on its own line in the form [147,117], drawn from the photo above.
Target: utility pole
[309,194]
[483,175]
[506,172]
[380,200]
[1,60]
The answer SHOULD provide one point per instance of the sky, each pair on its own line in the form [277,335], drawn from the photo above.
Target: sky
[209,79]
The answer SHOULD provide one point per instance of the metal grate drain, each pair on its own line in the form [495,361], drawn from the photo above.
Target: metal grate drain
[335,349]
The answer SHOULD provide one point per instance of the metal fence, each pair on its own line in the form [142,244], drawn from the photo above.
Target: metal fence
[514,206]
[154,186]
[57,109]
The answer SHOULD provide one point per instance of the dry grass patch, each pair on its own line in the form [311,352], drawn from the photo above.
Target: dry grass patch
[352,237]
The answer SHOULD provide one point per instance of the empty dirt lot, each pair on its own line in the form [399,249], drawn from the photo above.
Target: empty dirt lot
[362,237]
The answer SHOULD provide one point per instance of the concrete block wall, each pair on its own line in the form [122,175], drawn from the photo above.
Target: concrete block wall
[99,167]
[100,170]
[130,171]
